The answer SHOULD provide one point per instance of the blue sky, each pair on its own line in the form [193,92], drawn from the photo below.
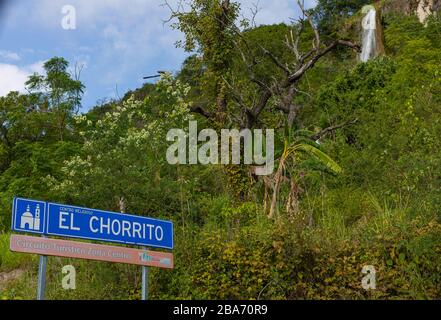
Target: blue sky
[116,41]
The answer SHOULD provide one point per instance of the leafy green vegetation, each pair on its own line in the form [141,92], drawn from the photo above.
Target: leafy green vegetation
[356,182]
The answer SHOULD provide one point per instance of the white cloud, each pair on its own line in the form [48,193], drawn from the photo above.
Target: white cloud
[126,33]
[8,55]
[270,12]
[118,39]
[13,78]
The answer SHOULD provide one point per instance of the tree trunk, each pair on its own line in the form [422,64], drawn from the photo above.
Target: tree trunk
[292,204]
[122,205]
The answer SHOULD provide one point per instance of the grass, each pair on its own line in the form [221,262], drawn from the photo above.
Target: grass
[10,260]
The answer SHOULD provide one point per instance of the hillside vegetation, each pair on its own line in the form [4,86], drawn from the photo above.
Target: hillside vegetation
[304,232]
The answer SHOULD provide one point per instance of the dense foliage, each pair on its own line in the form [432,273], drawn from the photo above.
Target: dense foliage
[367,193]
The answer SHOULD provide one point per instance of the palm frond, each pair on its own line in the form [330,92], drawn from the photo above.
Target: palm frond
[318,154]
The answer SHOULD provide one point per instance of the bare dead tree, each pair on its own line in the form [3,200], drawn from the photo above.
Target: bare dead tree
[284,88]
[254,12]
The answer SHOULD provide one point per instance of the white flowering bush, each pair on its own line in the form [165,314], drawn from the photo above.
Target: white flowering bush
[123,155]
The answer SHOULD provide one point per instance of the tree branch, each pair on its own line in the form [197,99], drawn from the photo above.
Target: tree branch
[308,65]
[316,43]
[295,77]
[200,110]
[324,132]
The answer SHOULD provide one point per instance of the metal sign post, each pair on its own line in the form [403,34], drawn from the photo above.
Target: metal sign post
[145,281]
[41,278]
[41,288]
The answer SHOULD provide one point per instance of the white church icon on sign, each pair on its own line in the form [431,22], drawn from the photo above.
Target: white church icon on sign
[29,221]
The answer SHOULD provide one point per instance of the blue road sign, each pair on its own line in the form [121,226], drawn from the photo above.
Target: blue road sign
[90,224]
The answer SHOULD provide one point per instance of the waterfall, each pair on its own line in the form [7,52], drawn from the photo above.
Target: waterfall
[424,10]
[369,42]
